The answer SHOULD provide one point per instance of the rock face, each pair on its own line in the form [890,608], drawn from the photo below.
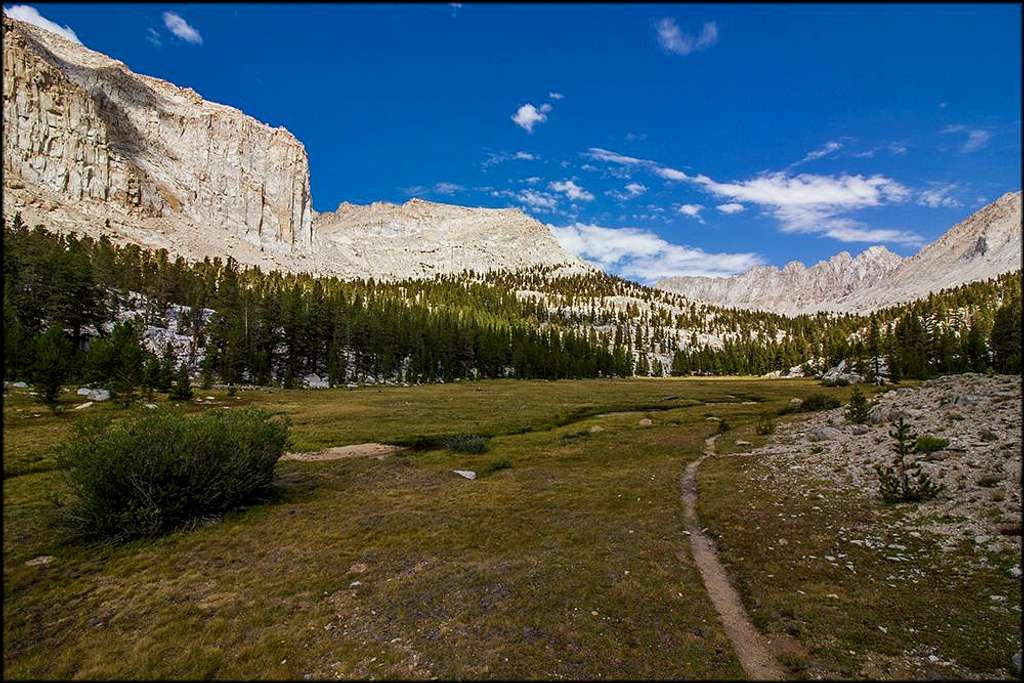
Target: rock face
[420,239]
[88,143]
[986,244]
[85,130]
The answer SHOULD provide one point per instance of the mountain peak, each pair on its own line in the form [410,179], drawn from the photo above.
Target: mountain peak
[985,244]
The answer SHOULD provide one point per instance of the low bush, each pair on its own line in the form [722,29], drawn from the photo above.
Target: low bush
[930,444]
[812,403]
[466,443]
[569,437]
[723,426]
[499,464]
[150,475]
[766,425]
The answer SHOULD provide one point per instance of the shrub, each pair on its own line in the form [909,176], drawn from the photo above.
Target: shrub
[904,481]
[466,443]
[930,444]
[499,464]
[723,426]
[149,475]
[812,403]
[569,437]
[857,410]
[766,425]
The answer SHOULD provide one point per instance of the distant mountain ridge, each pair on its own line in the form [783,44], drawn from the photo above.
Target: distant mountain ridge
[986,244]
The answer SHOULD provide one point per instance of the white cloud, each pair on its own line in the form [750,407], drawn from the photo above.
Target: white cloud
[731,208]
[854,234]
[815,203]
[823,151]
[448,188]
[976,137]
[30,15]
[692,210]
[635,137]
[801,203]
[643,255]
[444,188]
[674,41]
[494,159]
[571,190]
[615,158]
[556,96]
[669,173]
[153,36]
[537,200]
[181,28]
[528,116]
[631,191]
[938,195]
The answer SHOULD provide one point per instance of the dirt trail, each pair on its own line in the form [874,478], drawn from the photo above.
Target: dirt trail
[359,450]
[751,647]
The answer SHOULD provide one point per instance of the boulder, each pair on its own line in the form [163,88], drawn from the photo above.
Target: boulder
[966,400]
[314,381]
[595,429]
[824,434]
[645,422]
[83,391]
[98,395]
[41,560]
[19,385]
[860,429]
[468,474]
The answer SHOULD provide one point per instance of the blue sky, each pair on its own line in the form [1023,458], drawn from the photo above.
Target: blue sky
[655,139]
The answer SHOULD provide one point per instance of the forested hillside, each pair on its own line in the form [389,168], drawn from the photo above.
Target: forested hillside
[107,313]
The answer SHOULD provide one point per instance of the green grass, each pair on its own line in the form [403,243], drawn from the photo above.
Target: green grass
[937,600]
[930,444]
[499,577]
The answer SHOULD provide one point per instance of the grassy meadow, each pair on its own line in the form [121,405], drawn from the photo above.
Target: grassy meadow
[569,563]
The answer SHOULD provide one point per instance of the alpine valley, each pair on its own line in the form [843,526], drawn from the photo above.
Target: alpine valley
[95,150]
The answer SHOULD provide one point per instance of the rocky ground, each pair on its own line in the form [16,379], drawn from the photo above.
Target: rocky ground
[980,469]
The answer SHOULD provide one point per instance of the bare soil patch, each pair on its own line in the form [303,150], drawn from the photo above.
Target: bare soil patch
[359,450]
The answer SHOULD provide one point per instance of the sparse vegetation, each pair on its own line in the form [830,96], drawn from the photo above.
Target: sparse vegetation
[812,403]
[723,426]
[766,425]
[930,444]
[904,481]
[499,464]
[466,443]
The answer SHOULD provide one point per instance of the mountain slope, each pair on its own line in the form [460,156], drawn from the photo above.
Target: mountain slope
[88,142]
[986,244]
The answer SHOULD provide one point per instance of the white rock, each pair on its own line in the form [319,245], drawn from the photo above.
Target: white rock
[83,391]
[80,406]
[468,474]
[99,395]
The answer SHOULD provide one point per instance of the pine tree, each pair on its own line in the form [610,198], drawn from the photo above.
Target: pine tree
[182,389]
[50,369]
[904,481]
[857,410]
[1005,338]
